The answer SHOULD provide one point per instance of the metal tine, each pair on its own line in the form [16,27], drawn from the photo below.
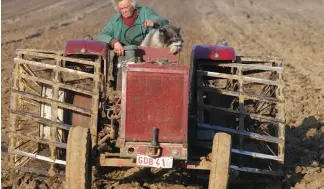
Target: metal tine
[270,149]
[252,66]
[245,78]
[27,51]
[51,83]
[265,144]
[42,141]
[33,132]
[35,171]
[29,87]
[29,71]
[265,103]
[252,135]
[36,156]
[41,119]
[57,56]
[236,94]
[248,115]
[256,155]
[22,129]
[256,170]
[31,103]
[30,146]
[22,144]
[53,102]
[50,66]
[24,159]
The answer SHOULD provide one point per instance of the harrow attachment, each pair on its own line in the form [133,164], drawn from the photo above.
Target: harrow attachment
[42,107]
[245,99]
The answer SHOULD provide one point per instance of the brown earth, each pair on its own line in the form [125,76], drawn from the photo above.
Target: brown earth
[291,29]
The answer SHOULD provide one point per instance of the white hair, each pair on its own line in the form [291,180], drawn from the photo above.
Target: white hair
[115,4]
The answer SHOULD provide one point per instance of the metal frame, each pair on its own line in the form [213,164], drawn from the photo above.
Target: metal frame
[251,63]
[22,74]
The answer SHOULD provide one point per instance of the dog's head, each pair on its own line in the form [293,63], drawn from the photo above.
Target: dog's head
[170,34]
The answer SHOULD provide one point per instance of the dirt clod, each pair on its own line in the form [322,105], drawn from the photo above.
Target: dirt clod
[311,132]
[298,169]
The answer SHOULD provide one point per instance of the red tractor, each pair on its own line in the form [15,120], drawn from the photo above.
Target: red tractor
[83,108]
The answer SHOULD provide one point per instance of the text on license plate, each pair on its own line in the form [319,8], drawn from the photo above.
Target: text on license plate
[160,162]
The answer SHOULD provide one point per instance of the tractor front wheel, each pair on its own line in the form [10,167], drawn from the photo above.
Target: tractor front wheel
[220,161]
[78,159]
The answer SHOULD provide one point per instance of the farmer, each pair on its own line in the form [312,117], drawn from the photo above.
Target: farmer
[129,13]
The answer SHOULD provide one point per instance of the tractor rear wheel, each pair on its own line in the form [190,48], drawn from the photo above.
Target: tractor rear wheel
[78,159]
[220,162]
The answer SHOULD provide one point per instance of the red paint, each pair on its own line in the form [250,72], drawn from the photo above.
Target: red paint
[146,54]
[208,52]
[91,47]
[155,96]
[149,54]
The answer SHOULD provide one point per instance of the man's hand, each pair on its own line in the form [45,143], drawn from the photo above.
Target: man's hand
[118,48]
[149,23]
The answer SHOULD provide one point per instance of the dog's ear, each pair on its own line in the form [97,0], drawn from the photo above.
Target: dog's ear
[179,29]
[162,31]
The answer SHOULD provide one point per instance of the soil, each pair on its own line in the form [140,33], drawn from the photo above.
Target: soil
[290,29]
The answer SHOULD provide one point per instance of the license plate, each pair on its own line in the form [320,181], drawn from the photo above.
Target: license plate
[160,162]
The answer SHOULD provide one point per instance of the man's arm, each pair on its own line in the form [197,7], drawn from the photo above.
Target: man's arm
[107,34]
[151,15]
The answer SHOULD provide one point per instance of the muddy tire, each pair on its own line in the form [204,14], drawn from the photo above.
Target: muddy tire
[78,159]
[220,162]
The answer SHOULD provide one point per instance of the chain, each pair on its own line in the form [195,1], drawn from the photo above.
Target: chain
[115,109]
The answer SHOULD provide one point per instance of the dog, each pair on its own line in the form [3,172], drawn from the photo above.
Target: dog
[166,36]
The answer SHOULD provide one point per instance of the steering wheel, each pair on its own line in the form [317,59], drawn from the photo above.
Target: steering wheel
[131,41]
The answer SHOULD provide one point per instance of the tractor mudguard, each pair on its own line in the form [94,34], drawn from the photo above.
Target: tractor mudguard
[86,47]
[213,52]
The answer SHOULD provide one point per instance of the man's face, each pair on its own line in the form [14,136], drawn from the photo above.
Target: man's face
[125,8]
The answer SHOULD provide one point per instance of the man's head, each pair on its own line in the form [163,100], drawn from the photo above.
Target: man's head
[125,7]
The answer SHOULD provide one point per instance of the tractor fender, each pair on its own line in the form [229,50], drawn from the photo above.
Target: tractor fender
[213,52]
[83,46]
